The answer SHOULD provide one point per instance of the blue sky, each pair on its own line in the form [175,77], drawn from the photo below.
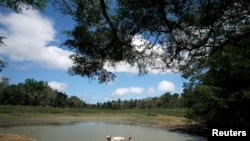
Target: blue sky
[33,51]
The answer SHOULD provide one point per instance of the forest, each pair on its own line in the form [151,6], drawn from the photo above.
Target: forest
[39,93]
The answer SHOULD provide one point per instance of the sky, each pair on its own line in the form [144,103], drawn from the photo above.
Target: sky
[33,50]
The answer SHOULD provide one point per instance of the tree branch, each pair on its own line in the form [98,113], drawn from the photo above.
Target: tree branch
[114,31]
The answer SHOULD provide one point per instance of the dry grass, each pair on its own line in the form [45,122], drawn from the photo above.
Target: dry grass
[14,137]
[46,118]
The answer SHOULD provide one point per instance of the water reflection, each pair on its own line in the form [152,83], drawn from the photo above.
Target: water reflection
[93,131]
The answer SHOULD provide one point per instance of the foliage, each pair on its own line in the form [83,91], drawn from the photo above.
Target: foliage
[36,93]
[174,34]
[39,109]
[220,90]
[74,102]
[166,100]
[17,4]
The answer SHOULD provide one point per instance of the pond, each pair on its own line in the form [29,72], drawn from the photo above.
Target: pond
[94,131]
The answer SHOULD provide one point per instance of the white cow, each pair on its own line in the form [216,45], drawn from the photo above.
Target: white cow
[109,138]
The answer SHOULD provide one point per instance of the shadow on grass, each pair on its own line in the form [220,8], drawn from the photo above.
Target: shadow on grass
[197,130]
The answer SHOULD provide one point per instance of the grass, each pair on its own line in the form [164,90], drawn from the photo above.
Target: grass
[11,115]
[38,109]
[35,109]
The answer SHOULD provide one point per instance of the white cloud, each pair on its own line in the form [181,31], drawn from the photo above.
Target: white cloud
[139,43]
[58,85]
[151,90]
[166,86]
[122,67]
[124,91]
[29,35]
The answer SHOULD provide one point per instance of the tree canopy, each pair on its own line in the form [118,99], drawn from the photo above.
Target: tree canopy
[17,4]
[173,34]
[205,40]
[220,92]
[35,93]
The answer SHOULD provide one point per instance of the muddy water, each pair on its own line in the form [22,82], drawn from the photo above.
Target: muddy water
[97,132]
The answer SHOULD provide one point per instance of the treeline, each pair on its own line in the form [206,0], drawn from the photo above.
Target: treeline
[39,93]
[166,100]
[35,93]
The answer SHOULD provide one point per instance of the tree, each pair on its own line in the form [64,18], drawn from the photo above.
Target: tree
[3,85]
[61,99]
[173,34]
[34,90]
[75,102]
[35,93]
[16,5]
[219,92]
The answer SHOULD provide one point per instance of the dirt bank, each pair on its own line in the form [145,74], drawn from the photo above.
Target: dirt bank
[14,137]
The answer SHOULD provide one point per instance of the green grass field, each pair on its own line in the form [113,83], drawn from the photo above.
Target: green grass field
[39,109]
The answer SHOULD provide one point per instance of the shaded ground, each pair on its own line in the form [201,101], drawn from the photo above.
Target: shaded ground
[173,123]
[199,130]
